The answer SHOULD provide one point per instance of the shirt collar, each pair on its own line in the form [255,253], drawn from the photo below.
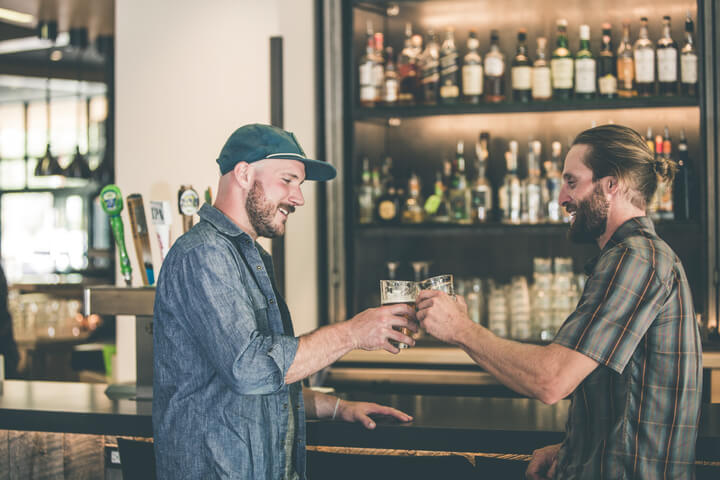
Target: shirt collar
[631,227]
[220,221]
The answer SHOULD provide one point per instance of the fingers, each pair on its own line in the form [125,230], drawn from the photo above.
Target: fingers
[366,421]
[390,412]
[389,347]
[401,338]
[400,309]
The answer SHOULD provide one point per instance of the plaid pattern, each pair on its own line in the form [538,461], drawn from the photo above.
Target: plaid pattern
[636,416]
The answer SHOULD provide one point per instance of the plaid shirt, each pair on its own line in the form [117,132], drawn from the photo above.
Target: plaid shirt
[636,416]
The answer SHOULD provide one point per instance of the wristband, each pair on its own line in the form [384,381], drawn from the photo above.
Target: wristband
[337,404]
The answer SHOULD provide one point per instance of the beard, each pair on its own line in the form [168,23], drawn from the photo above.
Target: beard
[590,217]
[261,213]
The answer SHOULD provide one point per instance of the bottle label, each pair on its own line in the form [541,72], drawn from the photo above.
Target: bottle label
[367,93]
[378,74]
[387,210]
[667,64]
[645,65]
[541,84]
[607,85]
[472,80]
[626,72]
[366,74]
[449,91]
[430,72]
[562,72]
[521,77]
[585,75]
[448,64]
[688,68]
[391,90]
[494,67]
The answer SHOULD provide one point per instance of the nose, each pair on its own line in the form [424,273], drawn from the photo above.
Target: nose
[564,197]
[296,197]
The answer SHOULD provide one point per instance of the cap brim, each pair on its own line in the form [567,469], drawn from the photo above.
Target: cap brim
[316,170]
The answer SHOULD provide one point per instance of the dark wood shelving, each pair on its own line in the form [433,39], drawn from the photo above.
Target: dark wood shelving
[384,112]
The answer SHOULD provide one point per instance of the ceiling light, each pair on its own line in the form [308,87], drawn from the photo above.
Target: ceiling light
[15,16]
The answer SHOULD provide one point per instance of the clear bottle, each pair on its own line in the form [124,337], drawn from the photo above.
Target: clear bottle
[626,65]
[379,68]
[390,83]
[510,194]
[459,193]
[585,67]
[365,198]
[607,65]
[366,71]
[533,210]
[553,182]
[689,61]
[472,71]
[561,64]
[430,69]
[494,71]
[667,60]
[522,70]
[644,55]
[413,208]
[449,69]
[542,80]
[481,194]
[407,68]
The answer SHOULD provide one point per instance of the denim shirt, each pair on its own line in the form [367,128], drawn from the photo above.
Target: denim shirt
[223,343]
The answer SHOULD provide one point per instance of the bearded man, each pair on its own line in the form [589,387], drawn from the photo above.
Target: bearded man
[630,354]
[228,401]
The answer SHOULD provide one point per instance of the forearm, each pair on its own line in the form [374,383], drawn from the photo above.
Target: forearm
[318,405]
[319,349]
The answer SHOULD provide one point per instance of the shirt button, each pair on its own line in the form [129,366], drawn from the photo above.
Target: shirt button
[272,301]
[259,267]
[284,406]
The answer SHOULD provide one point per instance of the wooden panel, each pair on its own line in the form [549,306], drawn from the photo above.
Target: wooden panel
[4,456]
[83,456]
[714,386]
[35,455]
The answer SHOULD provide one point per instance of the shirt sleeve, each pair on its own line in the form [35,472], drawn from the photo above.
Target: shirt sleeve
[219,315]
[622,298]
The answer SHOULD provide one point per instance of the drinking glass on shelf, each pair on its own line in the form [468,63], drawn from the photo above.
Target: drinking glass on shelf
[399,291]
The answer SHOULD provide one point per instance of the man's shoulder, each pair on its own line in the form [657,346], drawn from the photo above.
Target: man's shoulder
[645,248]
[202,241]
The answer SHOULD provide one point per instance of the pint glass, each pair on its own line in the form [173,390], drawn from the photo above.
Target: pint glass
[398,291]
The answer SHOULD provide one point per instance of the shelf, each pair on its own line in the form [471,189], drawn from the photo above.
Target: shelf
[385,112]
[453,230]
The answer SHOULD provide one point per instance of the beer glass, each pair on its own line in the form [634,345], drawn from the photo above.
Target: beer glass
[443,283]
[399,291]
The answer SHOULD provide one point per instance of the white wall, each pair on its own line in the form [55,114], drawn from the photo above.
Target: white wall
[187,74]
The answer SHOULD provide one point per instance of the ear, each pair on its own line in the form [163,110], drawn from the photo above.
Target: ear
[611,185]
[243,174]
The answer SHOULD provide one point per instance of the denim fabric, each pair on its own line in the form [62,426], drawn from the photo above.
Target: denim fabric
[223,343]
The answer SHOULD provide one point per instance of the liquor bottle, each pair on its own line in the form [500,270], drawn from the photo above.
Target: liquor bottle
[386,176]
[654,210]
[644,55]
[649,140]
[626,65]
[541,81]
[584,66]
[553,182]
[449,69]
[459,193]
[667,59]
[430,69]
[413,208]
[666,198]
[532,209]
[689,61]
[387,207]
[494,71]
[365,195]
[377,186]
[561,64]
[521,70]
[607,76]
[437,206]
[407,68]
[379,68]
[366,71]
[481,192]
[472,71]
[390,83]
[510,193]
[682,187]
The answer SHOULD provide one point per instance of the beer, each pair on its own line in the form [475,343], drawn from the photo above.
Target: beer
[393,292]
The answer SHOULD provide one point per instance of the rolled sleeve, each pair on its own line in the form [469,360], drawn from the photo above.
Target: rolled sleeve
[621,299]
[220,315]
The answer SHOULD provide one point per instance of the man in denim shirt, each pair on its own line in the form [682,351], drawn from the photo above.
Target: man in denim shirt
[227,396]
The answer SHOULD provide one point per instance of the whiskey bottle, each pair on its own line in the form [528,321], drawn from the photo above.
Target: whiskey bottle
[509,196]
[561,64]
[644,55]
[366,71]
[365,195]
[607,77]
[553,182]
[379,67]
[532,211]
[472,71]
[481,192]
[584,66]
[430,70]
[521,70]
[387,208]
[407,68]
[626,65]
[494,71]
[667,59]
[449,69]
[459,194]
[413,208]
[541,81]
[689,62]
[390,83]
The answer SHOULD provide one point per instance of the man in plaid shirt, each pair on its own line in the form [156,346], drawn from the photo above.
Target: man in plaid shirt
[630,354]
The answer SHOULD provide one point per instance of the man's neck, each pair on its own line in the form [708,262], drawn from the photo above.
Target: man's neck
[615,220]
[238,216]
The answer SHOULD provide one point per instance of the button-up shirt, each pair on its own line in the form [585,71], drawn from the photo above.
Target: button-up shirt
[636,415]
[223,343]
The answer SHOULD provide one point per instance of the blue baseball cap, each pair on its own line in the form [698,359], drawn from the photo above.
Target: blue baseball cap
[264,142]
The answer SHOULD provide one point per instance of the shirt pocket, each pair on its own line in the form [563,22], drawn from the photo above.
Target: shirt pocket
[260,308]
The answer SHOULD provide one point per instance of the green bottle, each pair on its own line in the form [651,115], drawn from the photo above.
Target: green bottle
[561,65]
[585,66]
